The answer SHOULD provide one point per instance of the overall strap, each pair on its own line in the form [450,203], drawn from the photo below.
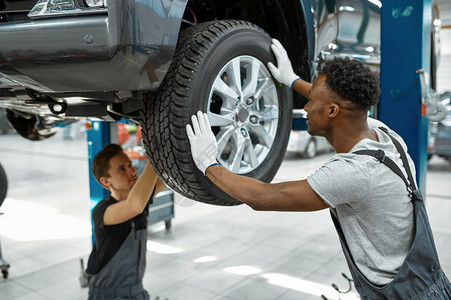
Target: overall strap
[380,155]
[403,157]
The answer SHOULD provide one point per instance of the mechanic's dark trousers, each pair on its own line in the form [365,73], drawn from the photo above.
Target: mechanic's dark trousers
[420,276]
[121,278]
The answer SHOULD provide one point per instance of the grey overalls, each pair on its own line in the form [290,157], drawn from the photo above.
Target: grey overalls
[121,277]
[420,276]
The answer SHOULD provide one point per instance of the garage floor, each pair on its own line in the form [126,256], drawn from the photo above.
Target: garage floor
[229,253]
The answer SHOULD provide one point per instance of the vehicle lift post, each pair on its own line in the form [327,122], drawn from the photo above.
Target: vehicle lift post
[405,49]
[98,136]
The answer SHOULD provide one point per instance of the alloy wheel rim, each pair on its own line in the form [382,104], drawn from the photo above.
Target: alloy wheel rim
[243,110]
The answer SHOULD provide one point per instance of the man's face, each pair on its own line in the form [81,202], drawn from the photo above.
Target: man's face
[317,107]
[122,174]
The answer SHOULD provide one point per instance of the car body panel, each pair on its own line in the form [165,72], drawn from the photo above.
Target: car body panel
[347,28]
[129,48]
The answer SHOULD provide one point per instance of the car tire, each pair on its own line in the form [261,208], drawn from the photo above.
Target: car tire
[310,150]
[3,185]
[252,130]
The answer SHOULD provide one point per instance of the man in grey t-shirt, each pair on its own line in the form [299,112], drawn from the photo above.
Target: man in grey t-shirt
[372,204]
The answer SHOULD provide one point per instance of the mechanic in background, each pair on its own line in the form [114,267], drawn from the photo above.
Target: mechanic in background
[117,262]
[382,224]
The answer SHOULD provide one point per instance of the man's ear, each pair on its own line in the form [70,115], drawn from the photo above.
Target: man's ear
[105,182]
[334,109]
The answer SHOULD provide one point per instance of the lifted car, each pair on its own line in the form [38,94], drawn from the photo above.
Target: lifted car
[157,62]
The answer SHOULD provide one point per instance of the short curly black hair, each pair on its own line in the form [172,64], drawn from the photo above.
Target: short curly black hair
[352,80]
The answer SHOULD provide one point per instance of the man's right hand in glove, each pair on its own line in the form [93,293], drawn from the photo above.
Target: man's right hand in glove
[283,73]
[204,147]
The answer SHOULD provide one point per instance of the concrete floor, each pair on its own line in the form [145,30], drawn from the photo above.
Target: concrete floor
[227,253]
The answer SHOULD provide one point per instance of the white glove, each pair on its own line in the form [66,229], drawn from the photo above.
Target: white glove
[204,147]
[284,73]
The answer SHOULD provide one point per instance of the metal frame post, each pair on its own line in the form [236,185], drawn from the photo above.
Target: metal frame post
[406,48]
[97,137]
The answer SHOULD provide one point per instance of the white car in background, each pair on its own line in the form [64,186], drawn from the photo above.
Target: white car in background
[301,142]
[308,146]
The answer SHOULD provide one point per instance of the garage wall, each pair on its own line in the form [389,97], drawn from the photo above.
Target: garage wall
[444,74]
[444,68]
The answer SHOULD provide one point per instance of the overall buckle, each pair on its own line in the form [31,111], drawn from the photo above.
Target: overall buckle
[380,155]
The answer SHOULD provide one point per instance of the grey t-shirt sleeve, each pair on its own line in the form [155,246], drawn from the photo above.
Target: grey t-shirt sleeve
[341,180]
